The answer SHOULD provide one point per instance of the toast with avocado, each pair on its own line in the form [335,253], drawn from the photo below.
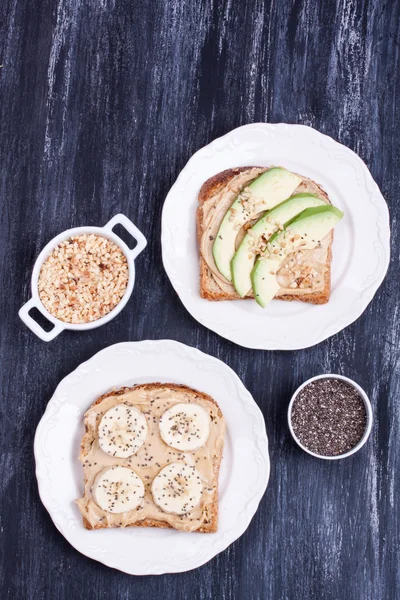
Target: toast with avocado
[250,243]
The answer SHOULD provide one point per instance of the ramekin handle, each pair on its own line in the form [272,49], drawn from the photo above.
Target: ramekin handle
[46,336]
[141,241]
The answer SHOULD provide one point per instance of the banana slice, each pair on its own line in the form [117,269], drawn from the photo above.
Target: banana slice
[122,431]
[118,489]
[185,426]
[177,488]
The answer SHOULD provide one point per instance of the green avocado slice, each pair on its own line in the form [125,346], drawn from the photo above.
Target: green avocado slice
[269,189]
[303,232]
[243,261]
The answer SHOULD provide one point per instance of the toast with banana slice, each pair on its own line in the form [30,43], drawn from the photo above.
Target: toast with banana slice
[239,211]
[151,456]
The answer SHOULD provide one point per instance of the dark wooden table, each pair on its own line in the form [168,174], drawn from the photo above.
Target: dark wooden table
[102,103]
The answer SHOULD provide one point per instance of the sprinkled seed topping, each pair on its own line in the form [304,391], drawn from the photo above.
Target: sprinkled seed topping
[329,417]
[83,279]
[177,488]
[182,423]
[122,431]
[118,490]
[185,426]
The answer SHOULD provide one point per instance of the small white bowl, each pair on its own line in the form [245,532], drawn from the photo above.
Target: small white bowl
[367,405]
[106,231]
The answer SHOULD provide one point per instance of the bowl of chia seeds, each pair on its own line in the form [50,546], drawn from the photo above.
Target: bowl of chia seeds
[330,416]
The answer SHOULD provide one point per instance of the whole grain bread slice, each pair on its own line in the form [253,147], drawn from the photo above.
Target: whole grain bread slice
[209,287]
[210,525]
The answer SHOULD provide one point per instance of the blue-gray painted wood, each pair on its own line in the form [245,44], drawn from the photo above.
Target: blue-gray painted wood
[102,103]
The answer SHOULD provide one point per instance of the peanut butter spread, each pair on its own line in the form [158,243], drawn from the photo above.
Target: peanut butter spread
[302,272]
[154,455]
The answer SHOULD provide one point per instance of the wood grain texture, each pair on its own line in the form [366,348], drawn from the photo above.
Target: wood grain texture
[102,103]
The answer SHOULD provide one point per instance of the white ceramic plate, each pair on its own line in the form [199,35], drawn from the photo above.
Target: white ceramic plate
[361,248]
[244,469]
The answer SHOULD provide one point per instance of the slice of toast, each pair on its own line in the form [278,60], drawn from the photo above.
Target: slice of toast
[89,445]
[211,289]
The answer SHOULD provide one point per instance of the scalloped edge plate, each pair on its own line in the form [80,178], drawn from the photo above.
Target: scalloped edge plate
[244,470]
[361,249]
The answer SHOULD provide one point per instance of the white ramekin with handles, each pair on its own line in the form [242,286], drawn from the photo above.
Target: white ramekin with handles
[106,231]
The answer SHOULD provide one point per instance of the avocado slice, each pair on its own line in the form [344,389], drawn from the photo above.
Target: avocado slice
[270,188]
[243,261]
[303,232]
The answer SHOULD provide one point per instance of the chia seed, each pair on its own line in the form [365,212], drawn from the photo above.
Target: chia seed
[329,417]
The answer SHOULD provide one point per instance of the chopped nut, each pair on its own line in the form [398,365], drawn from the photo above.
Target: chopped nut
[83,279]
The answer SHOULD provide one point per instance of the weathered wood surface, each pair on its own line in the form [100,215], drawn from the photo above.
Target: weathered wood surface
[102,103]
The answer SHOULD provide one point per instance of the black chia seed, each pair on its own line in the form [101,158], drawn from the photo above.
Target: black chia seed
[329,417]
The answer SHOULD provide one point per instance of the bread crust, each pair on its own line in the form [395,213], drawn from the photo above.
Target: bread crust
[212,524]
[209,288]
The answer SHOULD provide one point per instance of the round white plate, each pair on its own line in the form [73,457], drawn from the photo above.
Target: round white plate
[244,469]
[361,249]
